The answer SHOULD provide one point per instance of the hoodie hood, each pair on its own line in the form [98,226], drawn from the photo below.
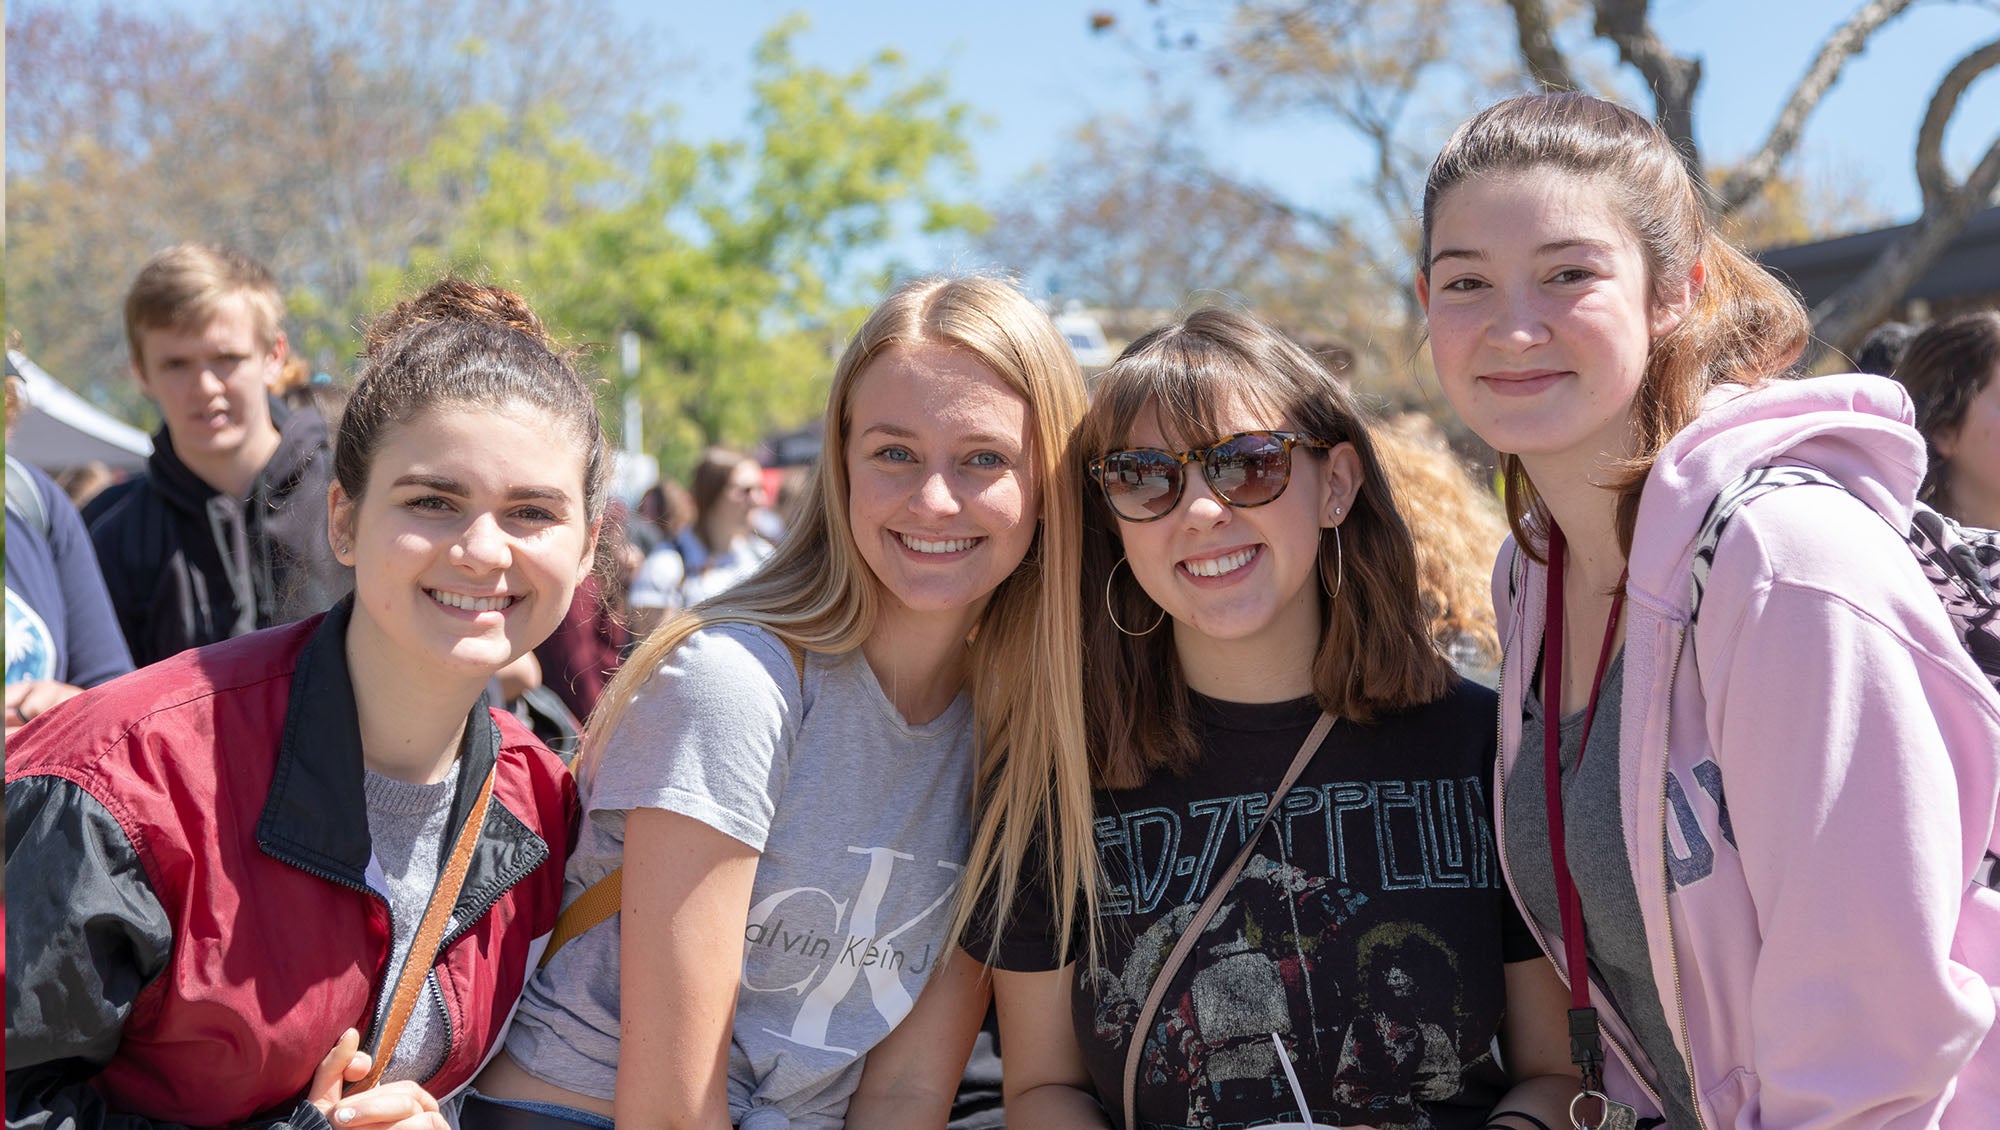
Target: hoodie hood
[1857,428]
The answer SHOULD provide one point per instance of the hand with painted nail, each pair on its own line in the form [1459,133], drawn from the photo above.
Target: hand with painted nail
[392,1106]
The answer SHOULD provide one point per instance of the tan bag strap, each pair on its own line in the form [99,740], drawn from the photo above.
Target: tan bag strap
[423,949]
[1216,893]
[602,899]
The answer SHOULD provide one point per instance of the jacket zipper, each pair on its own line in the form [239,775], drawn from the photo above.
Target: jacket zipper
[1534,927]
[1666,885]
[444,943]
[375,995]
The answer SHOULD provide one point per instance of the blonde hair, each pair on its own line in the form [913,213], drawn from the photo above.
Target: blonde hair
[184,286]
[816,592]
[1743,325]
[1458,527]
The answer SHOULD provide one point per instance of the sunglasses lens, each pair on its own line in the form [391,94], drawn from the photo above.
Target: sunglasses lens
[1249,470]
[1141,484]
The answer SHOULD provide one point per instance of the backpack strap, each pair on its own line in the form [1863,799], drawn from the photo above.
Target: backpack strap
[603,898]
[25,499]
[1962,564]
[1753,484]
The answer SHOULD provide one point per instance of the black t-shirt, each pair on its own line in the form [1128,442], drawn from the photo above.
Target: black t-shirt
[1369,931]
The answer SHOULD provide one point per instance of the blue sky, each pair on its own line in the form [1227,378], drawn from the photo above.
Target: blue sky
[1034,71]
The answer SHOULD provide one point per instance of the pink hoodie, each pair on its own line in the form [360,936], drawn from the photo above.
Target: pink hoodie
[1809,778]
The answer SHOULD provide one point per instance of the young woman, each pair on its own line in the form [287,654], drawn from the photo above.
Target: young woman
[1776,820]
[782,780]
[1247,571]
[1952,370]
[717,549]
[217,867]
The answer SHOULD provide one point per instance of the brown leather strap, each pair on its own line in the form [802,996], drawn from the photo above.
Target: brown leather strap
[1217,891]
[603,898]
[430,932]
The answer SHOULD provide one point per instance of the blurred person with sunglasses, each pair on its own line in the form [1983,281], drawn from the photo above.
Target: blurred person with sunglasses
[1246,577]
[715,551]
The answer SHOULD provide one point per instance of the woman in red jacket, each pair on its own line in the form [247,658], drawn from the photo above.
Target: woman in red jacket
[219,867]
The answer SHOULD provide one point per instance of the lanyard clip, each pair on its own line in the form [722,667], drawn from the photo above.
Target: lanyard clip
[1586,1047]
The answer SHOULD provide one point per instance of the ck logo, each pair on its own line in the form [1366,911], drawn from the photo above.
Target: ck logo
[1694,858]
[853,943]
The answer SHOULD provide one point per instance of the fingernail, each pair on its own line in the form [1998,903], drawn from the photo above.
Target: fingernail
[344,1114]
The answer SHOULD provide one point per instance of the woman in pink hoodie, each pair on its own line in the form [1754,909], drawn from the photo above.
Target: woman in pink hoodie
[1777,811]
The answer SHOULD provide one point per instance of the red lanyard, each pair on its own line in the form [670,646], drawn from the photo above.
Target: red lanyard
[1585,1048]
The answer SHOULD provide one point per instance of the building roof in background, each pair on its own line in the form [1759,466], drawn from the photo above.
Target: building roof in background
[1970,266]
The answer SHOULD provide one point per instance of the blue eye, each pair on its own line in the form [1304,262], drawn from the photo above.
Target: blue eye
[895,455]
[989,460]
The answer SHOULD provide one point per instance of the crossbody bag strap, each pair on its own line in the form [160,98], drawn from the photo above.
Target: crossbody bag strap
[1216,893]
[423,950]
[602,899]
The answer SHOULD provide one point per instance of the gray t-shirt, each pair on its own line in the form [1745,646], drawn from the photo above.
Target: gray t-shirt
[1594,830]
[406,827]
[862,824]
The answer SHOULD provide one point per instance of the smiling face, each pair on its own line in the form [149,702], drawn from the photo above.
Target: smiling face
[210,384]
[943,491]
[467,545]
[1541,316]
[1231,575]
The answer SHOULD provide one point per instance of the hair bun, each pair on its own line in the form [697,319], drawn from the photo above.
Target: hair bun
[458,300]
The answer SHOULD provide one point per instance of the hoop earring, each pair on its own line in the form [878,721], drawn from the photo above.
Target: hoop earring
[1108,578]
[1339,569]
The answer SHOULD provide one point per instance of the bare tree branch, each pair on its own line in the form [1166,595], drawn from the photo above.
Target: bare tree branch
[1673,78]
[1751,177]
[1547,64]
[1840,321]
[1931,174]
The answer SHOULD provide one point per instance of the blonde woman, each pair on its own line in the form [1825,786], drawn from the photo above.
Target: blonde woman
[786,774]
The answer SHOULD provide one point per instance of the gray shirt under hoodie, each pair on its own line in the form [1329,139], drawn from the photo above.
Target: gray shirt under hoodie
[861,822]
[1595,834]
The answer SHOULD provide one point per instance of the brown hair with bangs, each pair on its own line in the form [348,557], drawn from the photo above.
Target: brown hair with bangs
[1743,325]
[1375,653]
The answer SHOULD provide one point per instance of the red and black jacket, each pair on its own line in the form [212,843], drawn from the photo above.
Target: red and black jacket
[190,925]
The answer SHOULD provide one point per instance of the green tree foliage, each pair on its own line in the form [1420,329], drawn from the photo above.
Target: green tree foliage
[740,266]
[484,139]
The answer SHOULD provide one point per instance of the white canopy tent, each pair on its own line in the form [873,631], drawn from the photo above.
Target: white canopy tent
[59,429]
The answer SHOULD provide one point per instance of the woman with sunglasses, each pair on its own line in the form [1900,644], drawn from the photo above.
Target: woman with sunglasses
[1247,578]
